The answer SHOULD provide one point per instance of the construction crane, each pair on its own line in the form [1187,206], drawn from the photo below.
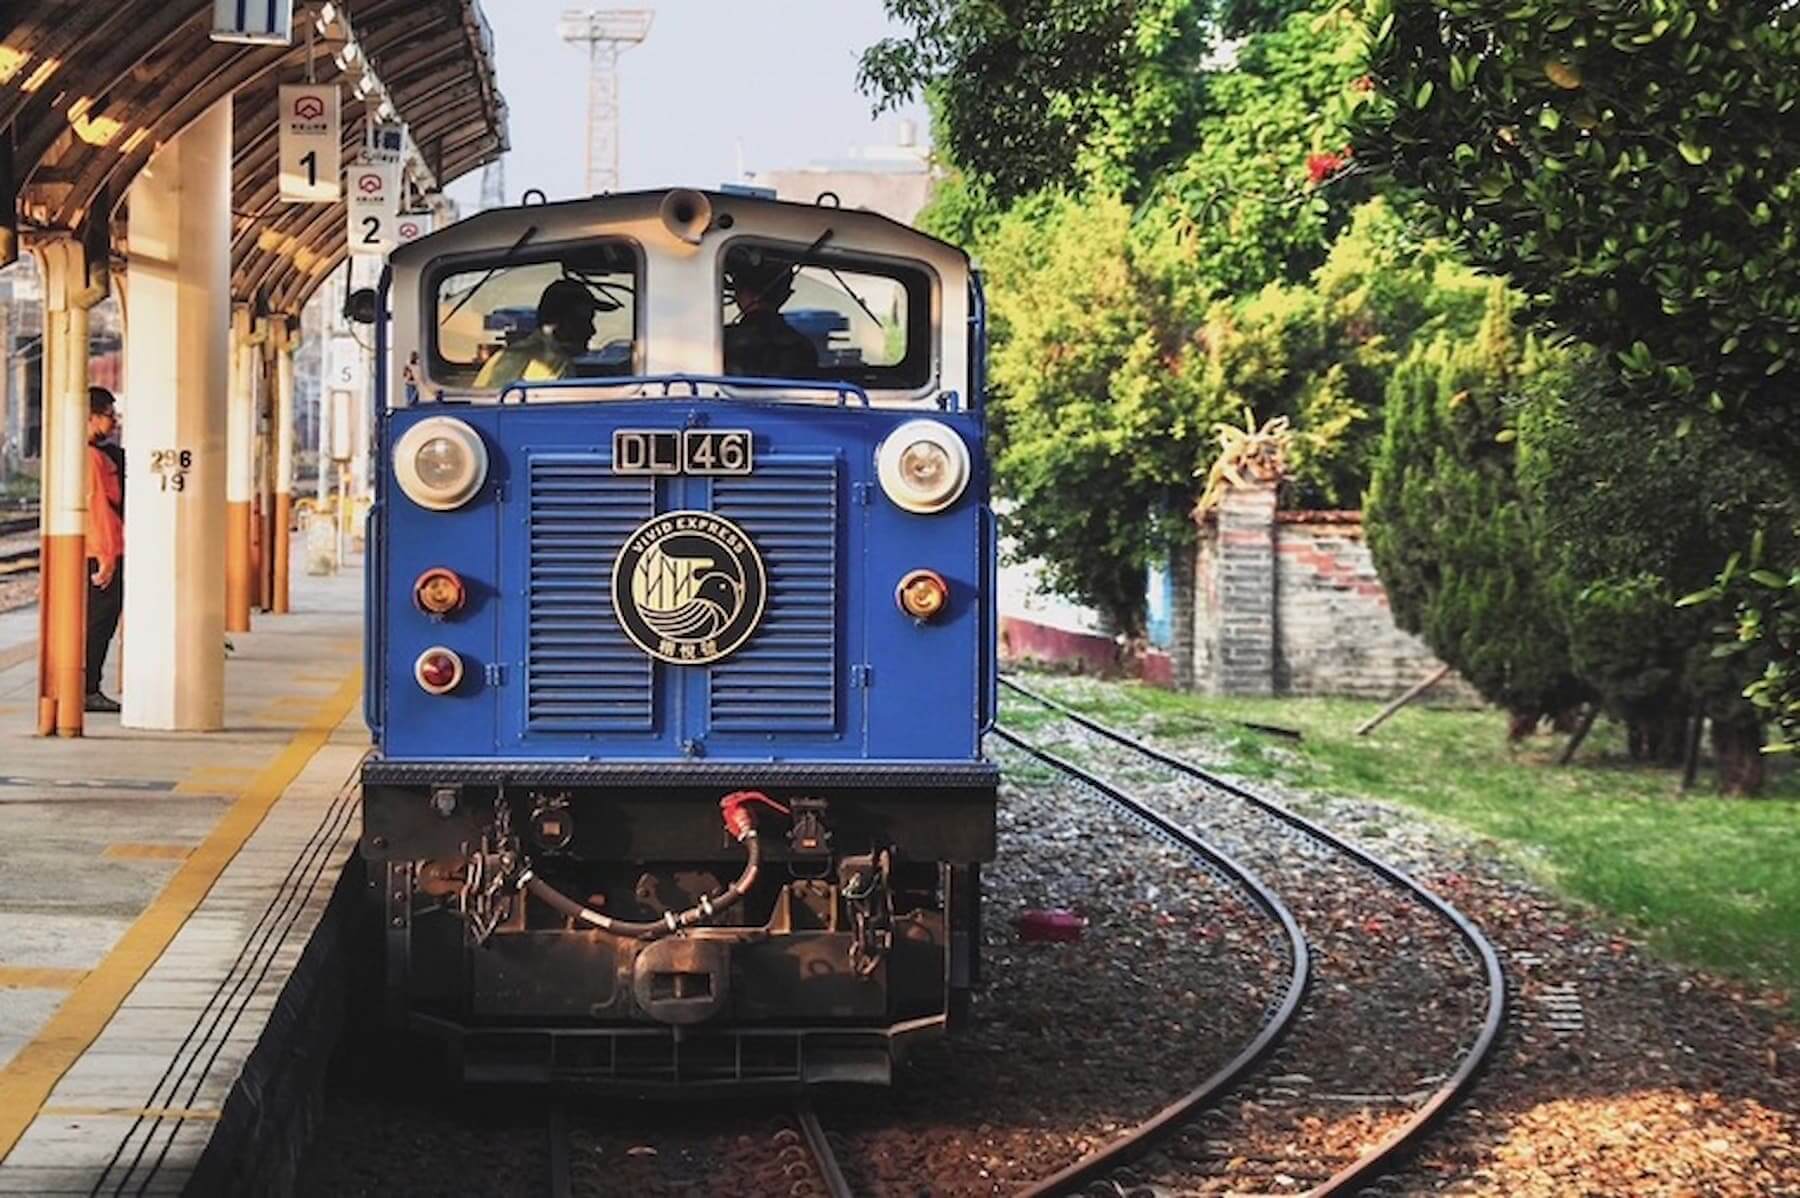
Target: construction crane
[607,33]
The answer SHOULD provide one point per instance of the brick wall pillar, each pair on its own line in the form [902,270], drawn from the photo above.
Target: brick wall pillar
[1244,628]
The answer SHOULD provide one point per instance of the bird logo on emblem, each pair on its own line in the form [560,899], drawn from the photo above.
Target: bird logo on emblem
[688,587]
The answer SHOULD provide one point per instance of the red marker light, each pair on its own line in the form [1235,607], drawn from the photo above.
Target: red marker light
[438,670]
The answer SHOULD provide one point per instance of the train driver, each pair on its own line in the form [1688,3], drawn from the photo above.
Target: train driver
[760,343]
[565,315]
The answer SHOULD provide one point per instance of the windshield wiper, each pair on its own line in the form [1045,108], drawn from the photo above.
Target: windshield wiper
[496,268]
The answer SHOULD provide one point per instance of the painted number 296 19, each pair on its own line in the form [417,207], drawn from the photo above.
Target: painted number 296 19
[172,466]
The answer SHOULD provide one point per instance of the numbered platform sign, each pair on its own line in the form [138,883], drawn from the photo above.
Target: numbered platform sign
[374,206]
[258,22]
[311,143]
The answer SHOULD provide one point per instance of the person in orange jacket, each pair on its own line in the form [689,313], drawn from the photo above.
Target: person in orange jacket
[105,543]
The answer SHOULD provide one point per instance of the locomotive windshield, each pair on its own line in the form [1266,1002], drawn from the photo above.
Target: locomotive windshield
[524,319]
[839,318]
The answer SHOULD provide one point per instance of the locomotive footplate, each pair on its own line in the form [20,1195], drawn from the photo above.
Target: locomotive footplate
[668,937]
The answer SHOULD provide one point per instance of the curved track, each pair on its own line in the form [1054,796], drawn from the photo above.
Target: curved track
[1097,1164]
[1398,1143]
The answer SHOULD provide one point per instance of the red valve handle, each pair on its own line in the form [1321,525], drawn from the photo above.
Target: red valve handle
[734,810]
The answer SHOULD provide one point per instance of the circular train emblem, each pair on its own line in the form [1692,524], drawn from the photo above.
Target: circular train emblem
[689,587]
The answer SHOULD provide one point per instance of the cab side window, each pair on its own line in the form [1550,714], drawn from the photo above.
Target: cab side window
[537,318]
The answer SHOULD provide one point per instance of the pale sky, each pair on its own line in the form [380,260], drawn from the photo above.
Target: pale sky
[776,77]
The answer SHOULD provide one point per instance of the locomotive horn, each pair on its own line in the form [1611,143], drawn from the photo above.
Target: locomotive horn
[687,214]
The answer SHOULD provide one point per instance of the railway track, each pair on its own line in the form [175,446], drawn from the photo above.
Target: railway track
[21,556]
[18,561]
[18,526]
[592,1154]
[1214,1131]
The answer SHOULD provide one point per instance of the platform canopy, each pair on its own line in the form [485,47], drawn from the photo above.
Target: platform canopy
[90,88]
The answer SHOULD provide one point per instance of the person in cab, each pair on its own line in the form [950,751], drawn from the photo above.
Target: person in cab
[760,343]
[565,325]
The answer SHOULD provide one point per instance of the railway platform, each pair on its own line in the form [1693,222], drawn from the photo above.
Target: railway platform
[169,912]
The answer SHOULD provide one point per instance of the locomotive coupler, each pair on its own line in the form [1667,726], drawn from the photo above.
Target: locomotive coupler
[863,885]
[809,840]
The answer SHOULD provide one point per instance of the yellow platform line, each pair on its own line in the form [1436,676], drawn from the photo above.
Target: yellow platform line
[200,1114]
[14,655]
[147,852]
[27,1080]
[39,977]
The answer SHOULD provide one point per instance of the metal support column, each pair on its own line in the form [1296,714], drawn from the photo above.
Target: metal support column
[240,425]
[285,341]
[62,580]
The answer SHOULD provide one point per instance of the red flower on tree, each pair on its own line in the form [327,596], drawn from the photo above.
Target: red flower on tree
[1320,167]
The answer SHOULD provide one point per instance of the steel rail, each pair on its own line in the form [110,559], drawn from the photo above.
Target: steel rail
[830,1173]
[1403,1139]
[1143,1137]
[19,561]
[561,1151]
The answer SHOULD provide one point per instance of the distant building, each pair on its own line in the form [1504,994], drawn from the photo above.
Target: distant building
[892,180]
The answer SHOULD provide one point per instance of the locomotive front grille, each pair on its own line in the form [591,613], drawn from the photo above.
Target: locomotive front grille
[785,678]
[583,675]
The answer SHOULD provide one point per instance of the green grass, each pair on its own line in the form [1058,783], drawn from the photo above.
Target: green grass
[1709,881]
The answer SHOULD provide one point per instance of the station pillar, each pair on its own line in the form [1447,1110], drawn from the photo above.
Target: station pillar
[178,358]
[284,342]
[240,457]
[62,608]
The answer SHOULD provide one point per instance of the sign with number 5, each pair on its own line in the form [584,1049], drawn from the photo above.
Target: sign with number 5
[374,206]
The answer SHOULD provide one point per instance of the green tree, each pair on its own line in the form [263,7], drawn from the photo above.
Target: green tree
[1448,527]
[1321,352]
[1628,515]
[1633,167]
[1093,453]
[1049,93]
[1763,635]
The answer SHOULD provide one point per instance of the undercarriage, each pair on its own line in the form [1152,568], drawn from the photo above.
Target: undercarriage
[645,939]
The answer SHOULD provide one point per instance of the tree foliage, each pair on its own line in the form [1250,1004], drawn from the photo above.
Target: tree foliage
[1040,93]
[1105,392]
[1763,635]
[1629,515]
[1632,165]
[1268,186]
[1448,527]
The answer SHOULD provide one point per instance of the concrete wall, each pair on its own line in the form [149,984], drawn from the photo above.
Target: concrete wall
[1288,603]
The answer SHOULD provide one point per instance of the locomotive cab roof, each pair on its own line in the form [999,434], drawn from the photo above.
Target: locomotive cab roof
[724,292]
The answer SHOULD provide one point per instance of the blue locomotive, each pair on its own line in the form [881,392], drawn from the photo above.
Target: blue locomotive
[680,640]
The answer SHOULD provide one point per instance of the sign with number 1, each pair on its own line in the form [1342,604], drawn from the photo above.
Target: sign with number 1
[311,141]
[374,206]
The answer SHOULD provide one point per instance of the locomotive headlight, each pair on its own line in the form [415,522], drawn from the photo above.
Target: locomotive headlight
[923,466]
[440,463]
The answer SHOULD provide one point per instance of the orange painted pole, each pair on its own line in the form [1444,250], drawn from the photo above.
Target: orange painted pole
[62,652]
[239,413]
[285,342]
